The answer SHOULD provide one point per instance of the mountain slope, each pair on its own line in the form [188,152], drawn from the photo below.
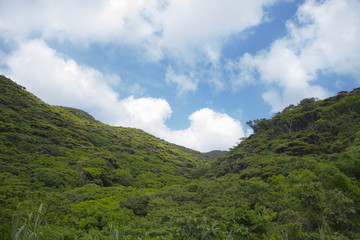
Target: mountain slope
[44,135]
[303,165]
[313,127]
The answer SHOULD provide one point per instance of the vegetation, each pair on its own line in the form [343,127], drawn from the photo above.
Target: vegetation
[215,154]
[64,175]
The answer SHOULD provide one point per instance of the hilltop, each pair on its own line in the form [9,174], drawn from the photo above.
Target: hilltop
[65,175]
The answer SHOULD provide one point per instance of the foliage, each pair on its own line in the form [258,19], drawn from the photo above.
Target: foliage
[199,228]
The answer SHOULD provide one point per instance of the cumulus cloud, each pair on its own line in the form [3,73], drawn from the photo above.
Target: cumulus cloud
[61,81]
[322,39]
[58,80]
[146,112]
[218,130]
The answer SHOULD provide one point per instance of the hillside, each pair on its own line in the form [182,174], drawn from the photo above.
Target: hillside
[313,128]
[65,175]
[215,154]
[303,165]
[55,148]
[87,150]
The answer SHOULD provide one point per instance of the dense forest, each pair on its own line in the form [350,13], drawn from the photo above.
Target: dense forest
[64,175]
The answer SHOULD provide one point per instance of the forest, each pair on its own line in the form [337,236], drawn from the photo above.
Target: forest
[65,175]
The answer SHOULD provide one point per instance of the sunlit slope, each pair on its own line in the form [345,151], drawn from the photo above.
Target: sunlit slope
[58,147]
[323,128]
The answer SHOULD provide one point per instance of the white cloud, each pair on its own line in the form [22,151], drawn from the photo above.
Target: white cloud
[208,131]
[189,32]
[58,80]
[146,112]
[78,21]
[61,81]
[185,83]
[330,37]
[323,39]
[180,28]
[241,72]
[204,24]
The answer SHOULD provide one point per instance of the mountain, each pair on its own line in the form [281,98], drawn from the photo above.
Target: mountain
[312,128]
[303,166]
[47,137]
[59,148]
[64,175]
[215,154]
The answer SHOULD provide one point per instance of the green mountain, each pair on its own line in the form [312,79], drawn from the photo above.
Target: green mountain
[57,148]
[215,154]
[323,129]
[64,175]
[74,149]
[303,165]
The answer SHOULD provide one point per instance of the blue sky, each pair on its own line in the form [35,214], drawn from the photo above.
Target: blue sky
[192,72]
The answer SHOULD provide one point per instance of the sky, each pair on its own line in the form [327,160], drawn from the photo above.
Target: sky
[191,72]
